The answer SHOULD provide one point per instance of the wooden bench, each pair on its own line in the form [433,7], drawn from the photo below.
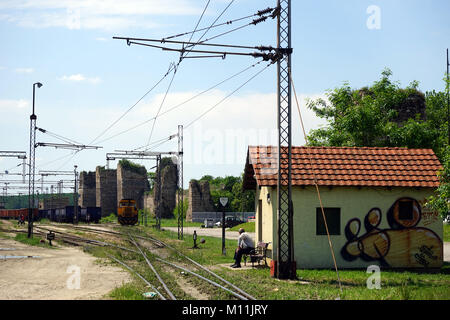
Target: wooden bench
[258,254]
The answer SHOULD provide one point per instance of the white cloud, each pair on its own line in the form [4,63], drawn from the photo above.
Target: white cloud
[24,70]
[91,14]
[11,105]
[216,144]
[80,78]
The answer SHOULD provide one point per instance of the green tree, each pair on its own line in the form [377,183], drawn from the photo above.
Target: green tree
[380,116]
[440,201]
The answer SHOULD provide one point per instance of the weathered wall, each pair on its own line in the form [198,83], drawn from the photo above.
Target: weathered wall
[416,245]
[131,184]
[87,190]
[169,187]
[53,202]
[149,203]
[106,187]
[199,198]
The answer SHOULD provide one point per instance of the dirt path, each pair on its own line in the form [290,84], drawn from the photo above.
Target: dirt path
[210,232]
[53,276]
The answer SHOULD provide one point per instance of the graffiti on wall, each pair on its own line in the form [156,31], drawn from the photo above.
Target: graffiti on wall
[402,245]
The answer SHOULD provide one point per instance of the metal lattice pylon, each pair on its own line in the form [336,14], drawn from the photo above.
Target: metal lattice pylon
[180,203]
[285,260]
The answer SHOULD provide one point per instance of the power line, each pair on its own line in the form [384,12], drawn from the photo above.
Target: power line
[260,13]
[171,67]
[161,105]
[229,95]
[182,103]
[57,136]
[181,59]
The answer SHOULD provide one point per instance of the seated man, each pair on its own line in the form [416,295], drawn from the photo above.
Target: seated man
[245,246]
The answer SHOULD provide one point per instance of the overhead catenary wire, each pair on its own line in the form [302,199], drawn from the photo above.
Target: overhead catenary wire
[171,67]
[229,22]
[175,68]
[182,54]
[182,103]
[227,96]
[315,183]
[57,136]
[209,28]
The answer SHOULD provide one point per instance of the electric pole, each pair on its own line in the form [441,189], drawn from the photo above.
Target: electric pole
[285,264]
[75,197]
[33,118]
[448,98]
[180,183]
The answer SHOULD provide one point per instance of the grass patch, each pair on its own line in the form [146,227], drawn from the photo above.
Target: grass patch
[129,291]
[43,221]
[315,284]
[109,219]
[247,226]
[446,232]
[34,241]
[171,222]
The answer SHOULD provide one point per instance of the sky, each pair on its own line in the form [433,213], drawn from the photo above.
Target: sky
[90,80]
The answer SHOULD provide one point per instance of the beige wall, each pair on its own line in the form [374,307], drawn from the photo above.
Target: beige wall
[313,251]
[269,218]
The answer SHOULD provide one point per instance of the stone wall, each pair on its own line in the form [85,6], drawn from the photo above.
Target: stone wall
[88,192]
[169,187]
[199,198]
[53,202]
[106,190]
[132,183]
[149,203]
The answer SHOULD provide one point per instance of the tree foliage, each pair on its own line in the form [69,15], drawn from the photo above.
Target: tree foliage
[386,115]
[231,187]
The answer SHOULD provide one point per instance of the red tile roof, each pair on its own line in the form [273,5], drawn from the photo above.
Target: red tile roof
[345,166]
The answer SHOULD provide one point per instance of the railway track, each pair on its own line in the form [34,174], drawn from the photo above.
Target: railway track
[81,241]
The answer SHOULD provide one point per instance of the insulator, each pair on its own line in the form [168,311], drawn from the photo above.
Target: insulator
[259,20]
[263,12]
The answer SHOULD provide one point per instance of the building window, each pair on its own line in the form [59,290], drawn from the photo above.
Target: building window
[333,216]
[405,210]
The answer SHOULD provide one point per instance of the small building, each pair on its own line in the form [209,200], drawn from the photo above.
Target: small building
[373,201]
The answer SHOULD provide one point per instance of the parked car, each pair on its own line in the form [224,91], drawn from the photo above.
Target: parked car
[251,218]
[230,222]
[209,223]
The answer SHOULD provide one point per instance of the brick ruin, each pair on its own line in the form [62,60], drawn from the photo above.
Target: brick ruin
[199,198]
[106,190]
[132,183]
[169,187]
[106,187]
[53,202]
[88,192]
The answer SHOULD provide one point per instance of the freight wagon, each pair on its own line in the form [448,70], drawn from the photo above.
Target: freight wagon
[16,213]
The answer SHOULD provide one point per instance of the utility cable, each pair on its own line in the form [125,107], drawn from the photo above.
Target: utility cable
[134,105]
[173,77]
[229,95]
[259,13]
[57,136]
[182,103]
[315,183]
